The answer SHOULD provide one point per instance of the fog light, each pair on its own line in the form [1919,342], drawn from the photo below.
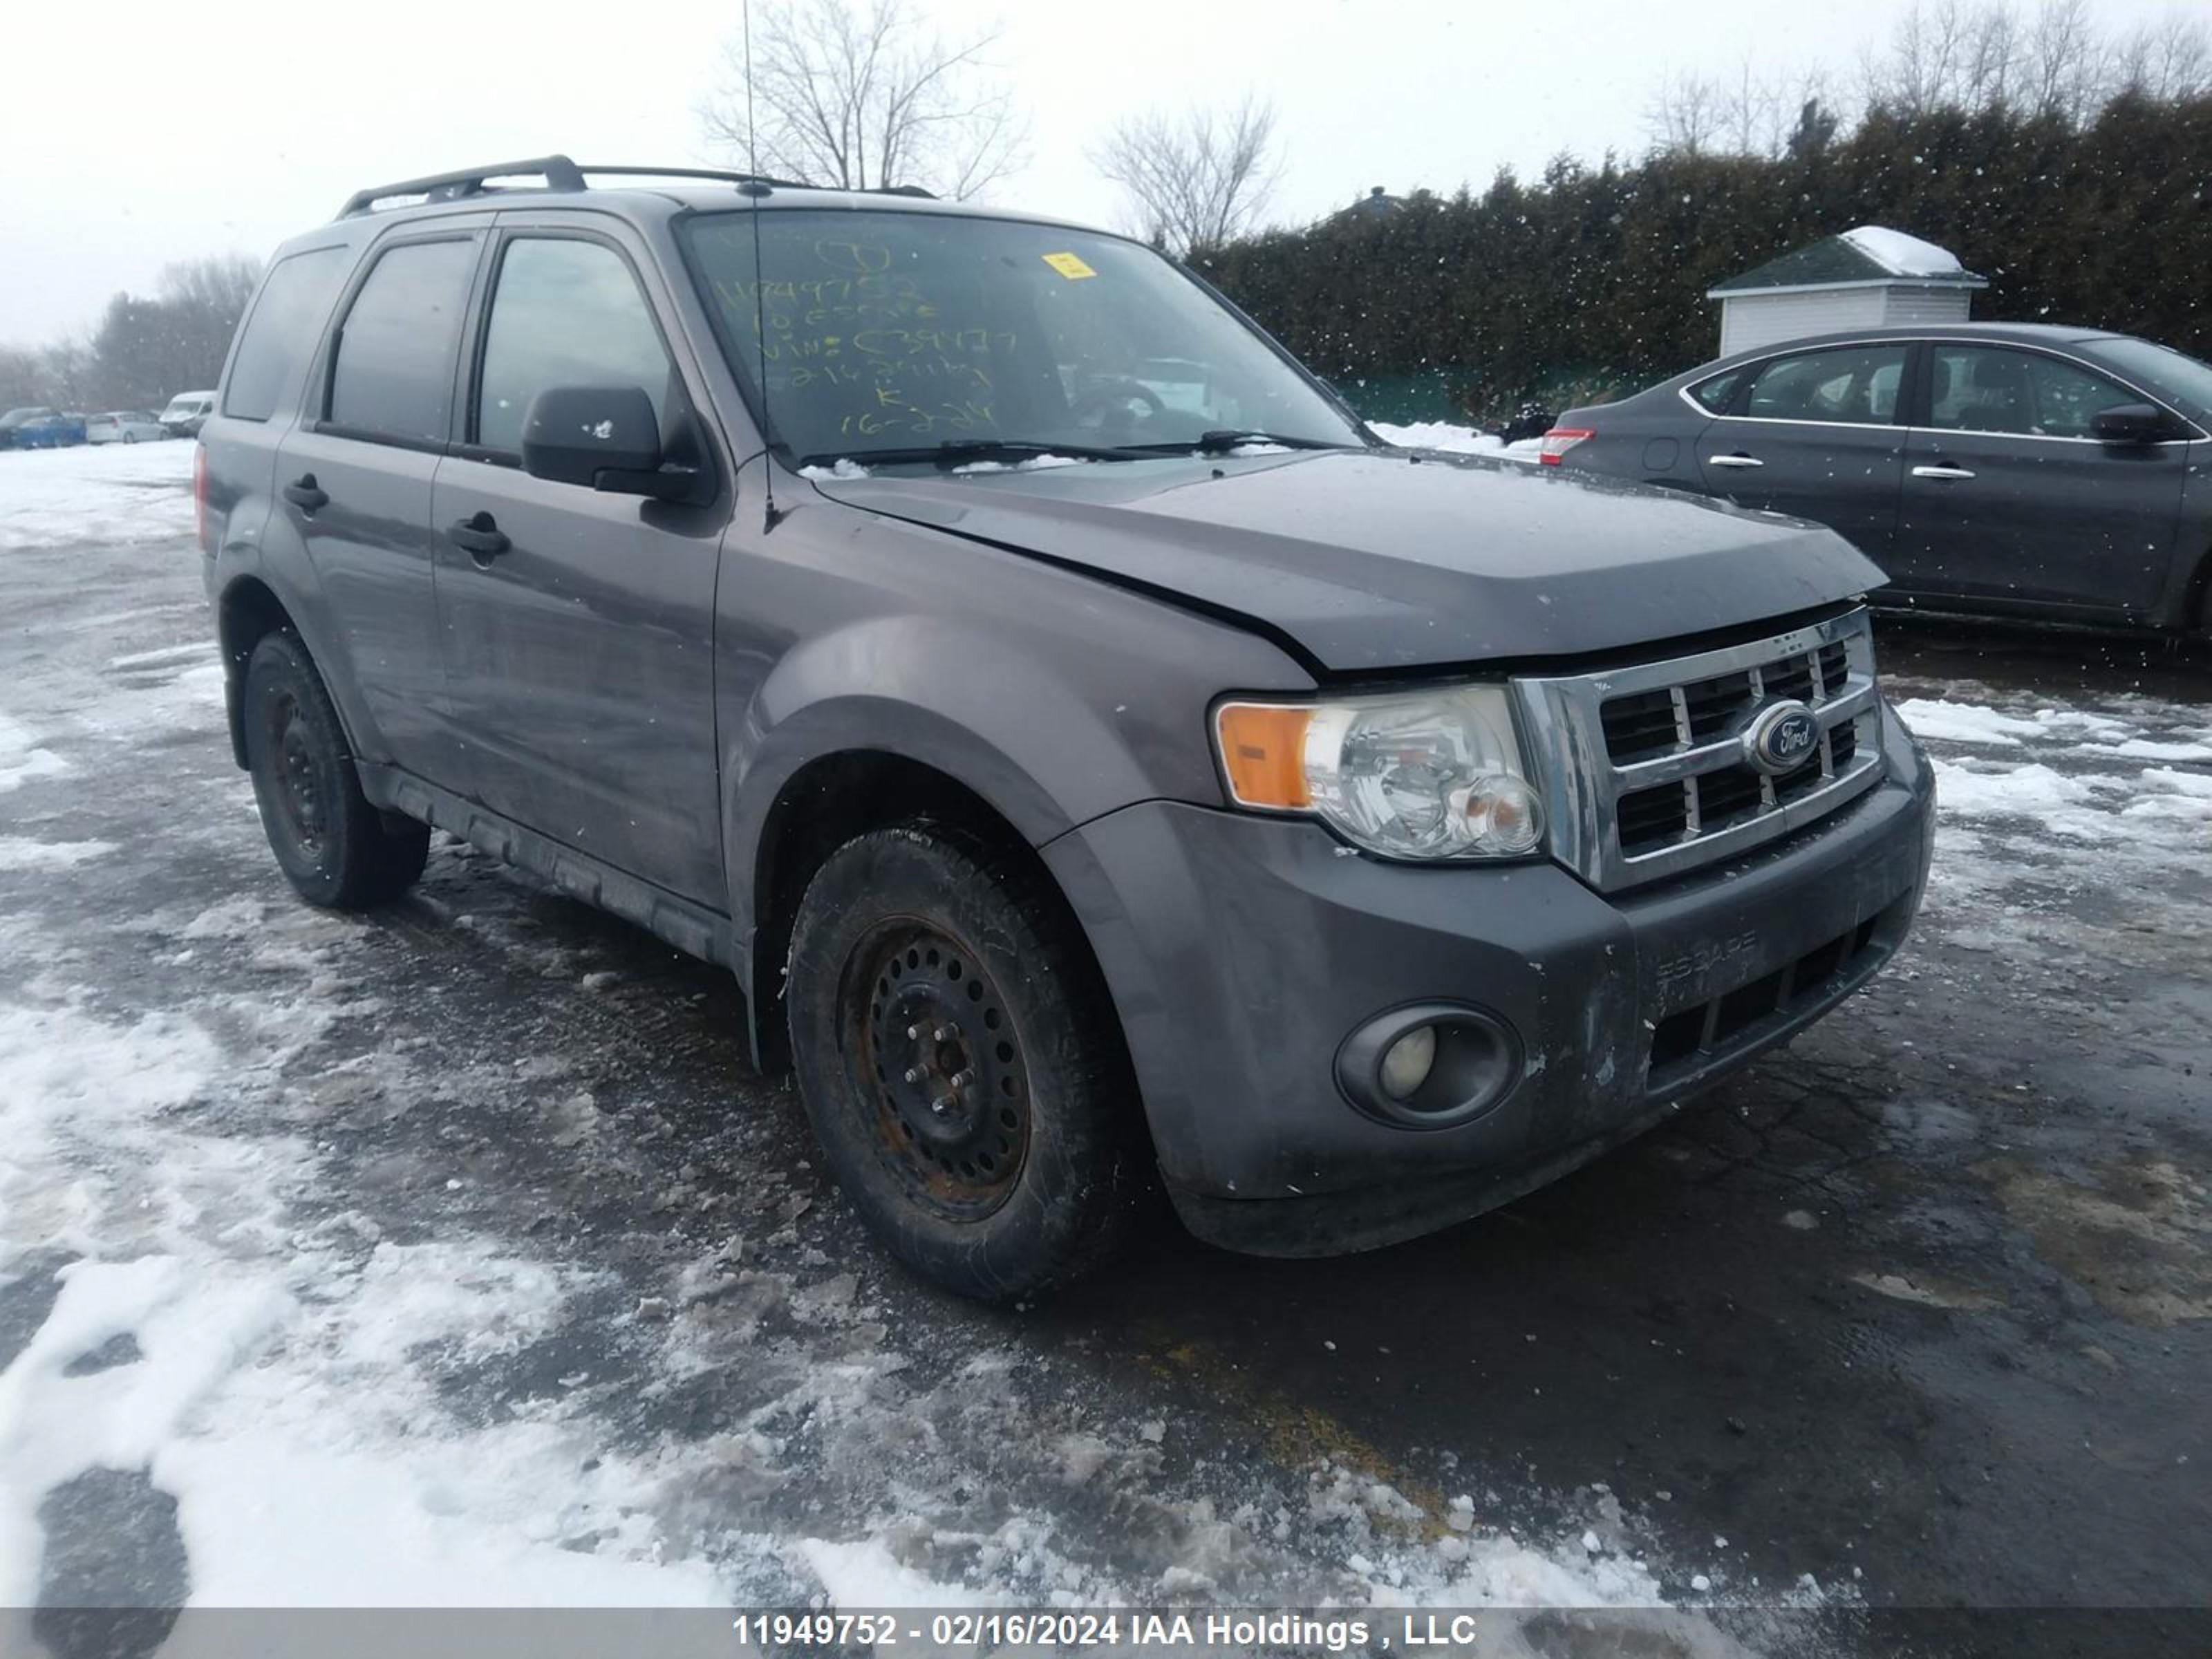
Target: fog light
[1406,1064]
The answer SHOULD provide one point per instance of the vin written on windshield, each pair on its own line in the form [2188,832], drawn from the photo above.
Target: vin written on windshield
[895,331]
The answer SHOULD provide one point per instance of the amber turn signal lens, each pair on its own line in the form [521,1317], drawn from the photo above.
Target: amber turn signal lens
[1263,751]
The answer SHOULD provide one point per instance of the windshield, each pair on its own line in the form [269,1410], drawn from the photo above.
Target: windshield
[2183,378]
[892,332]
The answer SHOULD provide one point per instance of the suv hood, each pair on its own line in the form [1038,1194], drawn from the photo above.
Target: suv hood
[1373,561]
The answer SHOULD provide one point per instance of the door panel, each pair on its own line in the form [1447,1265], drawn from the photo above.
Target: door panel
[581,656]
[2008,503]
[354,484]
[371,547]
[1813,434]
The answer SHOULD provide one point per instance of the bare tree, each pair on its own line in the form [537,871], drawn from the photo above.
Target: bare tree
[2065,72]
[864,96]
[1686,115]
[1953,54]
[2166,61]
[1195,180]
[1751,112]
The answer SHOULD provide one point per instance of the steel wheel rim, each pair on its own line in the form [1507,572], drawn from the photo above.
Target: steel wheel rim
[300,797]
[940,1081]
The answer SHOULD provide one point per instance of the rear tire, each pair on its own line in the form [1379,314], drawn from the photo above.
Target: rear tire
[961,1063]
[336,849]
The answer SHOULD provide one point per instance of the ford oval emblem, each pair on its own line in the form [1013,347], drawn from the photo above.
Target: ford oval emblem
[1781,738]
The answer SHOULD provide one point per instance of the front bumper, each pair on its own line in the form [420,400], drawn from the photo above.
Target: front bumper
[1240,951]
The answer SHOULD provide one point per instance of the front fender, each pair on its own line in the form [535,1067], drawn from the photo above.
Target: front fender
[1043,748]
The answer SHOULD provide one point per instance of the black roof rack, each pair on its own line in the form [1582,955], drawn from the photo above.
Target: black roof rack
[560,174]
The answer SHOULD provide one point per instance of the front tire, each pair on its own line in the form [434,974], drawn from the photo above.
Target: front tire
[961,1064]
[335,849]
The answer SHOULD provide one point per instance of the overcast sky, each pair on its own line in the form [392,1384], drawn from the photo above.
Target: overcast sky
[139,131]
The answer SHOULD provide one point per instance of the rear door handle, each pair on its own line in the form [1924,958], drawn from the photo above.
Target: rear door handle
[1945,472]
[304,494]
[1737,460]
[480,536]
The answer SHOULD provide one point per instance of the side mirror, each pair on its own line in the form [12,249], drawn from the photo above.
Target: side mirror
[2127,423]
[602,437]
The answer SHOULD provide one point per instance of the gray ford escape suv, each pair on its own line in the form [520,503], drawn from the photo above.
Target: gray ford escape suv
[1102,763]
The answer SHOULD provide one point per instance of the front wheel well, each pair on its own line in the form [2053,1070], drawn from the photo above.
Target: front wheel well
[248,612]
[825,804]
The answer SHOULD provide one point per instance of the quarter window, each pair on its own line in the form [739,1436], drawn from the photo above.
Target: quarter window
[565,313]
[1980,389]
[1714,394]
[394,376]
[1850,384]
[281,331]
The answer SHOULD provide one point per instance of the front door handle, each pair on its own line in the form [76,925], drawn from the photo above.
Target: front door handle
[1945,470]
[1737,459]
[479,537]
[304,494]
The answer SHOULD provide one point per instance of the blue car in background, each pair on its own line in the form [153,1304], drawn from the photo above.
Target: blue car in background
[39,428]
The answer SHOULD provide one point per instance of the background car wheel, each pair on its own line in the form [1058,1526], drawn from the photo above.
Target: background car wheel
[961,1063]
[335,849]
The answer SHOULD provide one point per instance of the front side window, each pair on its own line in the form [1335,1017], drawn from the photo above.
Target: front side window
[2023,394]
[393,376]
[2186,380]
[565,313]
[280,332]
[895,331]
[1849,385]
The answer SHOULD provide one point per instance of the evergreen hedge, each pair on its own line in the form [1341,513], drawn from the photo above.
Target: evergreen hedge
[1591,281]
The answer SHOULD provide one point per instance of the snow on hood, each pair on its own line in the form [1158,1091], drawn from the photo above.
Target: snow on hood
[1902,255]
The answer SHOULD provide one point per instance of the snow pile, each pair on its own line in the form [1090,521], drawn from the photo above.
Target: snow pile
[1938,720]
[1902,255]
[1034,463]
[2025,788]
[105,492]
[1455,440]
[846,467]
[22,757]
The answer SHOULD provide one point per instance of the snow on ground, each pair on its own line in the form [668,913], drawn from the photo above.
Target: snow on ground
[409,1283]
[2046,801]
[113,493]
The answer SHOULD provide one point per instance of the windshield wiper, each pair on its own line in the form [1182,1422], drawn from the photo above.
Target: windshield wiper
[1221,441]
[959,452]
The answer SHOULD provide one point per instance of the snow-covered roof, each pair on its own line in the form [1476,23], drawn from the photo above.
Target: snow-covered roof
[1906,256]
[1865,256]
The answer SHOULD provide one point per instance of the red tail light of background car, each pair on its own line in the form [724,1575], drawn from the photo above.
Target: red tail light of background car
[1560,440]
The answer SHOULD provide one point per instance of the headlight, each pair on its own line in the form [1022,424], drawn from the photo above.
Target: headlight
[1423,775]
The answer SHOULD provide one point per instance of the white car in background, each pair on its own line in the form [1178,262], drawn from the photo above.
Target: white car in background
[123,426]
[187,412]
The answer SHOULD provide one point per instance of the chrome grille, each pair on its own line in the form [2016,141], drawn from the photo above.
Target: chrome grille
[1645,769]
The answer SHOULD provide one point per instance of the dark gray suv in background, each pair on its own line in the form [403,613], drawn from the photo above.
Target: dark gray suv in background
[1102,763]
[2004,468]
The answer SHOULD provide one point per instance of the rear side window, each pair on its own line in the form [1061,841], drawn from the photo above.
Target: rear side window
[1850,385]
[393,376]
[565,313]
[281,331]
